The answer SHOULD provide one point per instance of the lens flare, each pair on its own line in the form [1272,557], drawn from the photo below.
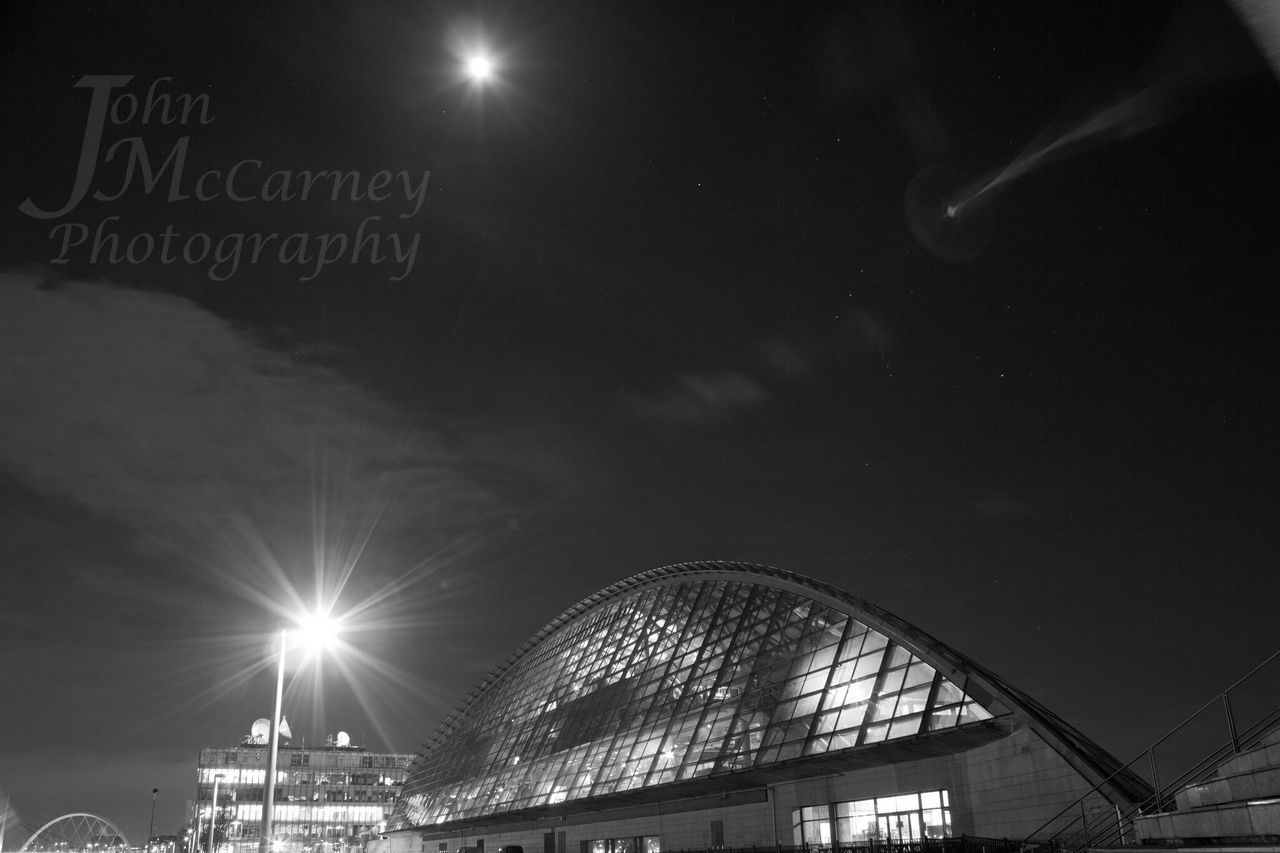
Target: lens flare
[945,217]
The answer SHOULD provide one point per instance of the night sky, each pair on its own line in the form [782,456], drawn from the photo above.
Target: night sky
[666,304]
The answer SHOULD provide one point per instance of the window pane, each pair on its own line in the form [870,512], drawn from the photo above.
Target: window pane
[919,673]
[913,701]
[859,691]
[868,665]
[874,641]
[877,733]
[905,726]
[882,709]
[944,718]
[807,704]
[900,803]
[892,682]
[948,693]
[898,656]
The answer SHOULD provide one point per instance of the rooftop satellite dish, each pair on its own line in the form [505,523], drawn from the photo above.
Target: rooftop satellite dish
[261,730]
[343,739]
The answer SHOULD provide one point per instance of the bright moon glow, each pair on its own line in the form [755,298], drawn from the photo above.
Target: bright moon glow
[479,68]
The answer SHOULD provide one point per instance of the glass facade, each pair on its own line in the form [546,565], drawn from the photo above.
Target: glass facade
[674,681]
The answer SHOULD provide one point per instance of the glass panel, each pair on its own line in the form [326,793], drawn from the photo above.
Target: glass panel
[892,682]
[852,647]
[823,658]
[944,718]
[844,740]
[857,825]
[937,823]
[815,681]
[876,733]
[900,803]
[882,709]
[827,722]
[807,704]
[898,656]
[875,641]
[790,750]
[913,701]
[905,726]
[859,691]
[817,745]
[948,693]
[868,665]
[972,711]
[919,673]
[851,717]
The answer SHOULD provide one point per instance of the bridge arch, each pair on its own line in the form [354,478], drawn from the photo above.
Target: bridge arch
[73,833]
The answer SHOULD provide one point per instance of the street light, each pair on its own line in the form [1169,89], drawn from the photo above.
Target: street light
[317,631]
[213,815]
[151,830]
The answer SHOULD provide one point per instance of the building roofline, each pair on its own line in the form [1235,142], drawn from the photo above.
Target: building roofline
[998,695]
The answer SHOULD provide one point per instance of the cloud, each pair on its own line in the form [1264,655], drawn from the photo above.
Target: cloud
[701,398]
[147,410]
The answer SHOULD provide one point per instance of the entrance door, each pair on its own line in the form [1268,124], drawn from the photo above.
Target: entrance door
[902,826]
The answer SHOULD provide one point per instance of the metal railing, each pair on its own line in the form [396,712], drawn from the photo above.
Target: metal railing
[1234,721]
[959,844]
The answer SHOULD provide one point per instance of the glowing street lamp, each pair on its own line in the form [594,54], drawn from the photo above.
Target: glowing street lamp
[213,816]
[317,631]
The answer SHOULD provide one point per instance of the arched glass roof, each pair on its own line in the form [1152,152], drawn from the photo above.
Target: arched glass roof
[700,670]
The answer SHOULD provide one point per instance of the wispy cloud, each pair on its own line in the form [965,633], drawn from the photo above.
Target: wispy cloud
[147,410]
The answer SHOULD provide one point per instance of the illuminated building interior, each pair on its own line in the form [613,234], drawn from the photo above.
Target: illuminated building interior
[332,797]
[680,681]
[716,686]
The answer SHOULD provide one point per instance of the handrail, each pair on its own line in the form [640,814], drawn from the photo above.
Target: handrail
[1117,831]
[1206,705]
[1211,760]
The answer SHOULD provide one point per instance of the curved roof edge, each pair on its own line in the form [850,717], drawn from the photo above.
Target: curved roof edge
[1093,762]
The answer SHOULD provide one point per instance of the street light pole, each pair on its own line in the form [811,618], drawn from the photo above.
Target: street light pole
[213,815]
[269,794]
[151,830]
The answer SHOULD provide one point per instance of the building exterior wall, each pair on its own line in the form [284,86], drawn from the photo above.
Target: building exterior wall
[328,798]
[1004,789]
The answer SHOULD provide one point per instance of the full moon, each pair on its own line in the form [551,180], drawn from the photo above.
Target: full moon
[479,68]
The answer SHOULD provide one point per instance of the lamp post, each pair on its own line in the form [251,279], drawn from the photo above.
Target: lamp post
[316,630]
[213,815]
[269,794]
[151,829]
